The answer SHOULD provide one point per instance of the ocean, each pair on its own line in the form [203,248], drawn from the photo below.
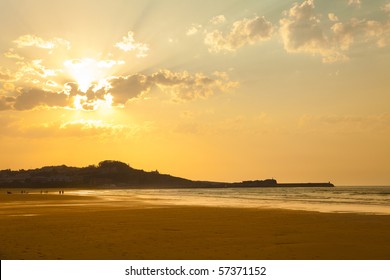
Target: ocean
[363,200]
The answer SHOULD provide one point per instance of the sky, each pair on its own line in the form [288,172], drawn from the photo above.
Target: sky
[221,90]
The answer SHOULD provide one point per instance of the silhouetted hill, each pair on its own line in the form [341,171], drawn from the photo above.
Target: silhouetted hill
[107,173]
[113,174]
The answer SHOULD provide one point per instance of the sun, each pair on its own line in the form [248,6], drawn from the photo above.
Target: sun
[91,75]
[86,71]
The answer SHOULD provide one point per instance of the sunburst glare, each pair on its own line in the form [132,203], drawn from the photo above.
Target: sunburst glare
[88,70]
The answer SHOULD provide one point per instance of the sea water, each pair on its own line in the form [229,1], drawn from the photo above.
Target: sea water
[364,200]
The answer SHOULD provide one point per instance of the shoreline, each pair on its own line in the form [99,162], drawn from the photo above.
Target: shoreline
[198,199]
[71,227]
[229,186]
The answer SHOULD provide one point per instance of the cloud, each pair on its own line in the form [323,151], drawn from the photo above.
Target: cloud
[98,128]
[186,86]
[35,67]
[355,3]
[301,32]
[117,91]
[180,85]
[5,75]
[32,98]
[218,19]
[333,17]
[29,40]
[386,8]
[87,83]
[7,88]
[243,32]
[6,102]
[12,54]
[196,28]
[94,128]
[32,74]
[129,44]
[346,123]
[86,71]
[193,29]
[109,63]
[361,30]
[95,97]
[129,87]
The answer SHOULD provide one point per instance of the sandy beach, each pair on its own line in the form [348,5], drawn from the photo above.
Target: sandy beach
[52,226]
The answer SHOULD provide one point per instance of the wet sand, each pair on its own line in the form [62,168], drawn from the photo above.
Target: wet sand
[53,226]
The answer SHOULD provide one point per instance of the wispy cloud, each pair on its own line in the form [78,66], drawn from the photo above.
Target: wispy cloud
[11,53]
[128,44]
[194,29]
[30,40]
[333,17]
[218,19]
[5,75]
[346,123]
[355,3]
[386,8]
[98,129]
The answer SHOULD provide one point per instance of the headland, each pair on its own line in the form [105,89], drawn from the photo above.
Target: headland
[116,174]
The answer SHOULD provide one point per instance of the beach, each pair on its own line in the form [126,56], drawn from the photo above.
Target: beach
[53,226]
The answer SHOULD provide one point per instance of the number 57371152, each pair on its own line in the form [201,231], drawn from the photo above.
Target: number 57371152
[240,270]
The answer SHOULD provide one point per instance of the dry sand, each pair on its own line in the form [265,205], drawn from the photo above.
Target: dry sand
[52,226]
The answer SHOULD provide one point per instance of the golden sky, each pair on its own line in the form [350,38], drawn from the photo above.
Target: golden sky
[208,90]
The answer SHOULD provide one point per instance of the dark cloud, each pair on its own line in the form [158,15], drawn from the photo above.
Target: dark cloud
[129,87]
[180,85]
[119,90]
[186,86]
[31,98]
[6,102]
